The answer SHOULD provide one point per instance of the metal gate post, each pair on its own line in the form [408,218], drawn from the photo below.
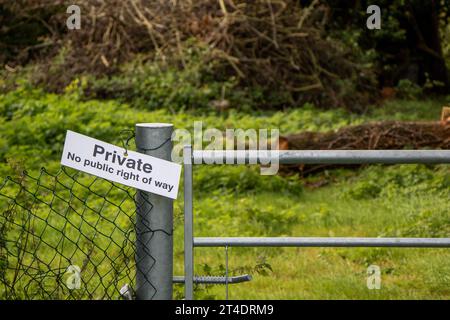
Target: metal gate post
[188,226]
[154,221]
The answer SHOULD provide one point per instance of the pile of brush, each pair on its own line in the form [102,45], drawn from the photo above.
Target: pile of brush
[386,135]
[278,45]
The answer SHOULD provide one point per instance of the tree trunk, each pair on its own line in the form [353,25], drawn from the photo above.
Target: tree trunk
[423,17]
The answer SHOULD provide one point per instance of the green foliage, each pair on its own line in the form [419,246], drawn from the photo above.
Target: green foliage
[366,256]
[403,201]
[148,87]
[409,110]
[34,123]
[364,190]
[445,34]
[405,180]
[433,222]
[406,200]
[394,49]
[35,127]
[243,179]
[408,90]
[152,85]
[240,217]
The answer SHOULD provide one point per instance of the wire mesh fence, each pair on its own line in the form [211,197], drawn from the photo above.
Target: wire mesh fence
[67,236]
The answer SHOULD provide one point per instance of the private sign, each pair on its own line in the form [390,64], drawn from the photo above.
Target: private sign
[108,161]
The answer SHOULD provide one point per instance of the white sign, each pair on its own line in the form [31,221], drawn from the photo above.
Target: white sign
[109,162]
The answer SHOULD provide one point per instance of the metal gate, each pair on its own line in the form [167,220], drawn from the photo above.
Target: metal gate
[294,157]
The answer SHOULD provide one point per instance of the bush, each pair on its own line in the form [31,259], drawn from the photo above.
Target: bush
[243,179]
[286,55]
[408,90]
[153,86]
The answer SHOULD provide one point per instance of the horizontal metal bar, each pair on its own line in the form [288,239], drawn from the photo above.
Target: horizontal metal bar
[323,242]
[321,156]
[215,279]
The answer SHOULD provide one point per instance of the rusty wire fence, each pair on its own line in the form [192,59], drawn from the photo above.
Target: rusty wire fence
[71,235]
[67,236]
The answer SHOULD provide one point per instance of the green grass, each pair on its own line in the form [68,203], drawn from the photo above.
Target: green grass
[409,200]
[422,110]
[407,205]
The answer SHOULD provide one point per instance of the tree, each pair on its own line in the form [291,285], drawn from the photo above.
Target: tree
[423,22]
[409,45]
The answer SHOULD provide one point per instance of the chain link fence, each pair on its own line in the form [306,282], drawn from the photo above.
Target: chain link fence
[67,236]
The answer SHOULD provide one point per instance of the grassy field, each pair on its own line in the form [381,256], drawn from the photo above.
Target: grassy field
[407,200]
[406,205]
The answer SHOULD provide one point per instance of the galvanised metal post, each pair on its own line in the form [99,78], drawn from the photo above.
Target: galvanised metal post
[188,225]
[154,221]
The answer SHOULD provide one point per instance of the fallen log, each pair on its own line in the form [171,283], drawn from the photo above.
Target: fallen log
[385,135]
